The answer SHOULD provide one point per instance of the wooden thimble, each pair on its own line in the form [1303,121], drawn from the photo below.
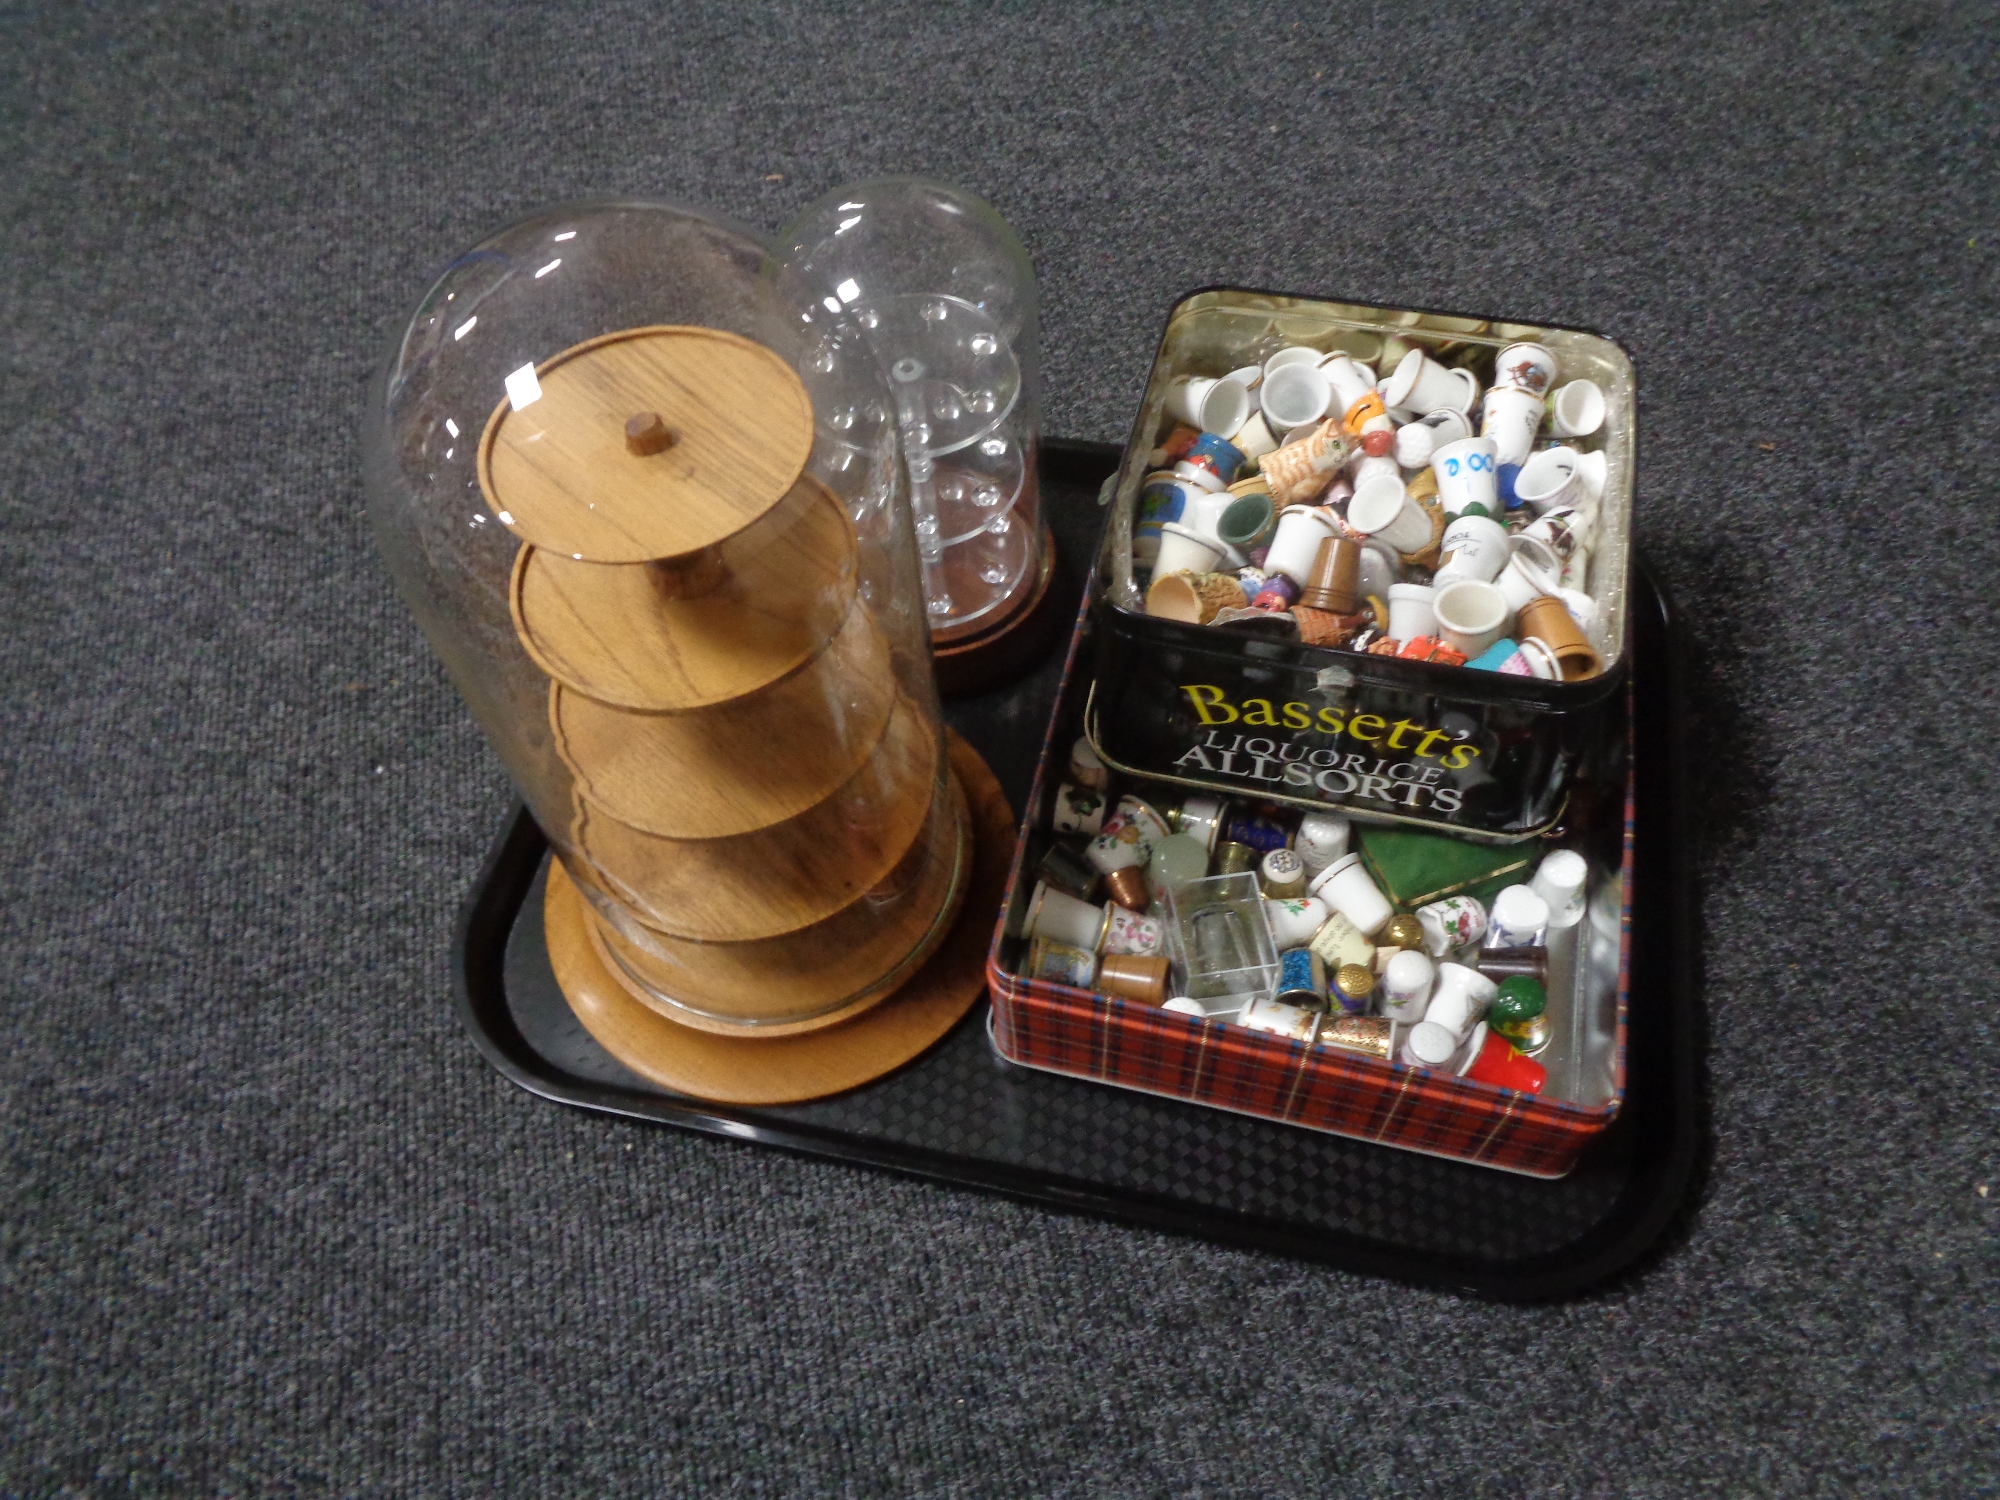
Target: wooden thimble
[1335,581]
[1544,619]
[1134,976]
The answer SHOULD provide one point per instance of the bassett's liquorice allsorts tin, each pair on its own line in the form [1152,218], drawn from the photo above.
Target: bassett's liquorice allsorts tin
[1241,705]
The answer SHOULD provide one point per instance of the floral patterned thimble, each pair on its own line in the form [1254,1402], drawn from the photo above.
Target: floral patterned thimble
[1133,932]
[1128,836]
[1078,809]
[1451,923]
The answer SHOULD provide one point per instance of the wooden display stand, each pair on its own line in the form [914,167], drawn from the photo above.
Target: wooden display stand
[767,843]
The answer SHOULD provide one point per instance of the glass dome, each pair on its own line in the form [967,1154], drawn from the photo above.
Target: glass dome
[602,470]
[941,289]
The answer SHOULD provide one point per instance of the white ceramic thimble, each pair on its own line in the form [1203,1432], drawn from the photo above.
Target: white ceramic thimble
[1185,550]
[1459,999]
[1406,986]
[1382,507]
[1423,385]
[1560,880]
[1279,1019]
[1294,920]
[1518,919]
[1295,395]
[1475,547]
[1062,918]
[1321,839]
[1511,418]
[1470,614]
[1411,615]
[1428,1046]
[1467,473]
[1346,887]
[1576,410]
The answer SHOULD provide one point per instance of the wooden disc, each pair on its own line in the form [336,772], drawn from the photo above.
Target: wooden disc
[606,630]
[784,877]
[807,980]
[736,766]
[556,468]
[783,1070]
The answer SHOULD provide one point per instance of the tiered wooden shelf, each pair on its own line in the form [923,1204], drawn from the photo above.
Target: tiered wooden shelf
[765,809]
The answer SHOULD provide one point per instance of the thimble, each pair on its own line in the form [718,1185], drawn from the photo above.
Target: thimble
[1369,1035]
[1546,620]
[1335,580]
[1353,986]
[1077,809]
[1177,859]
[1065,919]
[1500,1064]
[1193,598]
[1200,816]
[1065,963]
[1232,858]
[1134,976]
[1339,942]
[1218,455]
[1259,831]
[1301,979]
[1503,963]
[1519,1012]
[1403,931]
[1085,769]
[1278,1019]
[1127,888]
[1281,874]
[1132,932]
[1063,869]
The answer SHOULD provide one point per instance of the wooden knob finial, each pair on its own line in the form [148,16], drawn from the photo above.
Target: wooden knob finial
[646,434]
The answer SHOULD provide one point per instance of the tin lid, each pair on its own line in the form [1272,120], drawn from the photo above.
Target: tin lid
[645,444]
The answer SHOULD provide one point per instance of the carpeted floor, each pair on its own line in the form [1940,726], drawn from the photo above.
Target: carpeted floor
[271,1225]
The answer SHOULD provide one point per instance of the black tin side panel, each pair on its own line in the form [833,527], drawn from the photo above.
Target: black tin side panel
[1214,710]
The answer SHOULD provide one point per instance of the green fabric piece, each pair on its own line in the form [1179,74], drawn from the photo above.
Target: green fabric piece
[1414,868]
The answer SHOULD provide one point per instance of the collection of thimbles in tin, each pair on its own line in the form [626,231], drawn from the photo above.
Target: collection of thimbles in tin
[1439,504]
[1456,984]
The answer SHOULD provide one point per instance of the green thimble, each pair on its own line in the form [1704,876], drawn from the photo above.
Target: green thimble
[1519,1007]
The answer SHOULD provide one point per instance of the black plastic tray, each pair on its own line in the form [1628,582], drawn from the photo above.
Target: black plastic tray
[960,1114]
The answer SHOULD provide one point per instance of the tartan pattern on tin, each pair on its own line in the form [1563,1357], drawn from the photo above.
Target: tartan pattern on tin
[1059,1027]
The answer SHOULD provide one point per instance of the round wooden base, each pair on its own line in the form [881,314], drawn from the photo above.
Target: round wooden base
[990,652]
[783,1070]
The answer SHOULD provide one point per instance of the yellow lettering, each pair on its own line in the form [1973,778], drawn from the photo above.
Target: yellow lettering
[1298,716]
[1424,744]
[1460,757]
[1329,720]
[1403,726]
[1263,713]
[1375,721]
[1216,700]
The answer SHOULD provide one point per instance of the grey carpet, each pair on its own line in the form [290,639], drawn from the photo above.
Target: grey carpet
[270,1225]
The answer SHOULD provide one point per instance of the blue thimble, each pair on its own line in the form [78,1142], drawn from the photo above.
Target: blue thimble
[1299,978]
